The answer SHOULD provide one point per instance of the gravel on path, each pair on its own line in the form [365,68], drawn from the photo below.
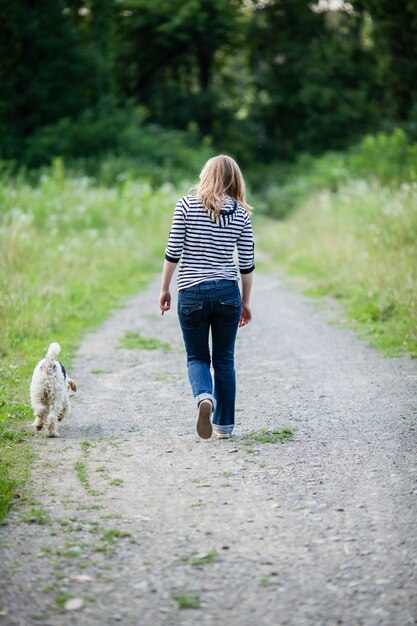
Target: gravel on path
[132,519]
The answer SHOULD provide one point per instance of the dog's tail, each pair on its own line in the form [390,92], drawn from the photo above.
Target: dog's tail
[53,351]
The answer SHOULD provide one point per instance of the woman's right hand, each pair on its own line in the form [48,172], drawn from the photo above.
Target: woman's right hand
[245,316]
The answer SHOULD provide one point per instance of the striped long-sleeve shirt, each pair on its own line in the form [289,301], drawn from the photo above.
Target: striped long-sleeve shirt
[205,245]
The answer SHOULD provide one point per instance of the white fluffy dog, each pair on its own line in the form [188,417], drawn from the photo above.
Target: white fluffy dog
[49,392]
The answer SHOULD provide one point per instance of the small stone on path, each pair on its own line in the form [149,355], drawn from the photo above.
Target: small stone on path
[80,578]
[74,604]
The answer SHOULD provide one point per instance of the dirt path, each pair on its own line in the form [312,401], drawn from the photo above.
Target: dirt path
[134,518]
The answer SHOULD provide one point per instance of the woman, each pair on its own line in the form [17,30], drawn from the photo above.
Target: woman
[205,230]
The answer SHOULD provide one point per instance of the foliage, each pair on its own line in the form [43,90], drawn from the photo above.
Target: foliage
[168,54]
[394,38]
[118,143]
[44,70]
[387,159]
[84,79]
[316,77]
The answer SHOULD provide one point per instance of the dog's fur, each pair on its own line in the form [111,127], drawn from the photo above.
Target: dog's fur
[49,392]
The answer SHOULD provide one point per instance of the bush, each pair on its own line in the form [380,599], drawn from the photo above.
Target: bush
[388,159]
[118,143]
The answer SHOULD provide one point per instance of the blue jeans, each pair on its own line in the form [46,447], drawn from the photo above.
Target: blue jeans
[214,304]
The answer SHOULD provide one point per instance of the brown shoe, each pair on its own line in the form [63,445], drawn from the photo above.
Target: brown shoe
[204,427]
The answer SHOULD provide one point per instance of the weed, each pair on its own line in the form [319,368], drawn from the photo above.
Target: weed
[265,581]
[117,481]
[90,507]
[85,447]
[62,597]
[263,435]
[187,600]
[39,617]
[102,547]
[81,469]
[166,377]
[111,516]
[99,371]
[198,505]
[50,464]
[204,559]
[36,515]
[68,553]
[115,533]
[101,468]
[134,339]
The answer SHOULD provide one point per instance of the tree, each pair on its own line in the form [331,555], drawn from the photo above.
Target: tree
[312,77]
[167,55]
[43,71]
[394,34]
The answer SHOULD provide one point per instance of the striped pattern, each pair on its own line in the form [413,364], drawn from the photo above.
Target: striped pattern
[205,245]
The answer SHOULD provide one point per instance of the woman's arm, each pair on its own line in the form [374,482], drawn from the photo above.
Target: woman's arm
[246,315]
[173,253]
[165,297]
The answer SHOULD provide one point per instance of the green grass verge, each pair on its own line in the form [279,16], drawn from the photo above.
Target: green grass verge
[357,244]
[69,252]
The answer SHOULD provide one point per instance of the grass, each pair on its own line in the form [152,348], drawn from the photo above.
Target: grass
[356,244]
[118,482]
[113,534]
[61,598]
[109,540]
[36,515]
[70,250]
[198,505]
[187,600]
[16,452]
[82,475]
[85,447]
[204,559]
[263,435]
[134,340]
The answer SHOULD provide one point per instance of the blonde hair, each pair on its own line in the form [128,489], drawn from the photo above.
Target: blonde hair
[221,177]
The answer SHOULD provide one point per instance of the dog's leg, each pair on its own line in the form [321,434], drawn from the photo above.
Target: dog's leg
[40,412]
[65,410]
[52,424]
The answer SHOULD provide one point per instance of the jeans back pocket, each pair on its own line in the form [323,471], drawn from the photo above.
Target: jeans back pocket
[190,307]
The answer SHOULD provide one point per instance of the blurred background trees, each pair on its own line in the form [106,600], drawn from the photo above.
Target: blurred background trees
[261,79]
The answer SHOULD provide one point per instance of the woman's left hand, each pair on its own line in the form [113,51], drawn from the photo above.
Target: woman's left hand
[164,301]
